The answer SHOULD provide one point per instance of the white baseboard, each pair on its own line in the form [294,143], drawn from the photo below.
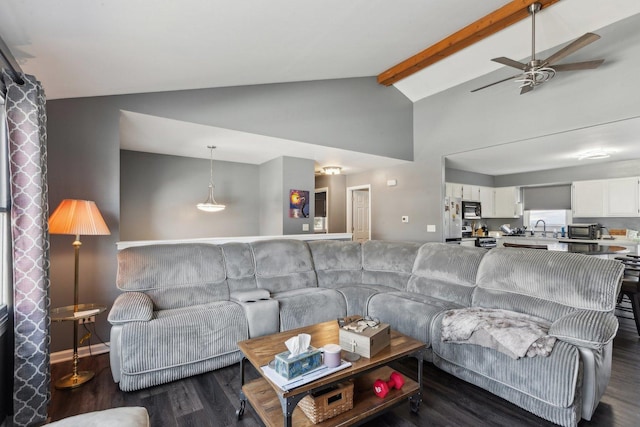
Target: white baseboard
[65,355]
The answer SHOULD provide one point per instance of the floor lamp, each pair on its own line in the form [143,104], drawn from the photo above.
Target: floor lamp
[76,217]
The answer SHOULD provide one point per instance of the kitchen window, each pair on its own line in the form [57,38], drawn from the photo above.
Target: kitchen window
[553,218]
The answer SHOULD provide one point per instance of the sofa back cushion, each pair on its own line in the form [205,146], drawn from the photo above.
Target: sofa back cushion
[337,263]
[283,265]
[388,263]
[240,266]
[547,284]
[446,272]
[174,276]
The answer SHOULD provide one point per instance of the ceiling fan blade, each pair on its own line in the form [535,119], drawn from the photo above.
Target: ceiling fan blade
[525,89]
[495,83]
[572,66]
[510,63]
[571,47]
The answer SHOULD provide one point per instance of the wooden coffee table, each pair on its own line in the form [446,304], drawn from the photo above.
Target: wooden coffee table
[278,407]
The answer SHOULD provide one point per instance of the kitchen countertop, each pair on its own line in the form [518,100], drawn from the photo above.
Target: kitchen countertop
[604,242]
[588,248]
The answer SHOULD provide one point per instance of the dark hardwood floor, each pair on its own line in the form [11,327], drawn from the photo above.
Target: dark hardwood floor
[211,399]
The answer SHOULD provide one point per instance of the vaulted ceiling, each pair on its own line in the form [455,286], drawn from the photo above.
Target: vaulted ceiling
[81,48]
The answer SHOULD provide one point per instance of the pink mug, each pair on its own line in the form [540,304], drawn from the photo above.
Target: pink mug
[332,355]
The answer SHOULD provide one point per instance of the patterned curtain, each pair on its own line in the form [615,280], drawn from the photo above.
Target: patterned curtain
[26,123]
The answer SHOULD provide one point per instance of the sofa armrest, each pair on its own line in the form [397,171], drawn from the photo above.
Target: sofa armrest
[583,328]
[250,296]
[131,307]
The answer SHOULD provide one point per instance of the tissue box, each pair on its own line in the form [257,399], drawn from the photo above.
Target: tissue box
[367,343]
[298,365]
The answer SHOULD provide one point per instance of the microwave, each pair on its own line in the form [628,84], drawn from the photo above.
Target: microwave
[584,231]
[471,210]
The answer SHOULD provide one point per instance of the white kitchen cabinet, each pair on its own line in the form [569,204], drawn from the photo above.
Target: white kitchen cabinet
[587,198]
[622,197]
[470,193]
[507,202]
[486,202]
[453,189]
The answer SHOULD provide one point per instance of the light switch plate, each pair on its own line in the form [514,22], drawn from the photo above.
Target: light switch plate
[305,227]
[431,228]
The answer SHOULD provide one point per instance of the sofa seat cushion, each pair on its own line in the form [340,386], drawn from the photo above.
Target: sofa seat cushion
[552,380]
[553,278]
[408,313]
[240,266]
[304,307]
[174,275]
[388,263]
[446,271]
[283,264]
[182,336]
[357,296]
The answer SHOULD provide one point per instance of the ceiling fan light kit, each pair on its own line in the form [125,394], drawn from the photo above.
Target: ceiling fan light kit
[536,71]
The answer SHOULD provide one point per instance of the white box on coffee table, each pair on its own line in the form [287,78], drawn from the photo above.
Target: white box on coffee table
[367,343]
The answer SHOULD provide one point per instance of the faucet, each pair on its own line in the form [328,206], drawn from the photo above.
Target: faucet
[544,227]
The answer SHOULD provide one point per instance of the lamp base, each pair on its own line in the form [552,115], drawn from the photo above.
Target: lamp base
[74,380]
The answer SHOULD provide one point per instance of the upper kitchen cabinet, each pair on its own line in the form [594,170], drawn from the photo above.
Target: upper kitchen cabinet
[466,192]
[453,190]
[606,198]
[621,197]
[587,198]
[507,202]
[471,193]
[486,202]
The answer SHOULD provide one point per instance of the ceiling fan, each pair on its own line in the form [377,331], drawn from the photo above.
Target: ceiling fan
[537,71]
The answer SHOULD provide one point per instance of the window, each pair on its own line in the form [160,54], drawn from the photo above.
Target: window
[553,218]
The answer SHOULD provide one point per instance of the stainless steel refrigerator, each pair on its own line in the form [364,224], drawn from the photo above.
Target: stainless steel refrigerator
[452,219]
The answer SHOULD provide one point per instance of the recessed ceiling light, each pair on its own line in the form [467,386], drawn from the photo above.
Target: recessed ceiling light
[594,155]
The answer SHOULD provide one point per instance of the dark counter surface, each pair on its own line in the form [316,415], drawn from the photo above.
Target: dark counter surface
[588,248]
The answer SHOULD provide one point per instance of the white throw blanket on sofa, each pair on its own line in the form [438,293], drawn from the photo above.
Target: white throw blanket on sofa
[514,334]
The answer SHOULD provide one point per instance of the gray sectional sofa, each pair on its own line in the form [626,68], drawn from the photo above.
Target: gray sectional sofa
[185,306]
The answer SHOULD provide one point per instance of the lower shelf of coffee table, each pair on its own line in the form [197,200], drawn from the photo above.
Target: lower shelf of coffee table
[265,402]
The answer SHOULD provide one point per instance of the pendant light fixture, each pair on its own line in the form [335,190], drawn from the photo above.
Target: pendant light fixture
[210,205]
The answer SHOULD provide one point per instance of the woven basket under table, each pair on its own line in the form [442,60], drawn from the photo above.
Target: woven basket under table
[328,403]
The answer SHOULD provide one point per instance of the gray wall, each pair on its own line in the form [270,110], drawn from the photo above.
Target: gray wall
[604,170]
[413,196]
[271,177]
[298,174]
[337,200]
[466,177]
[84,155]
[159,193]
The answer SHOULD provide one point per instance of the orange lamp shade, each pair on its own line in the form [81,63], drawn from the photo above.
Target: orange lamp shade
[77,217]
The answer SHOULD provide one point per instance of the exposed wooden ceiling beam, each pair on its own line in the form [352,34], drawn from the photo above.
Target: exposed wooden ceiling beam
[497,20]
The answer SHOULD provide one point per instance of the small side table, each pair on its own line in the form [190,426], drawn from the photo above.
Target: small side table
[74,314]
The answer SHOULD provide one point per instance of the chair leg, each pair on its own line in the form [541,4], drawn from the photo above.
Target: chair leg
[635,305]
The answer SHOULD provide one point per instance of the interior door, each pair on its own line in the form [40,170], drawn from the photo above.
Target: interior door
[360,215]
